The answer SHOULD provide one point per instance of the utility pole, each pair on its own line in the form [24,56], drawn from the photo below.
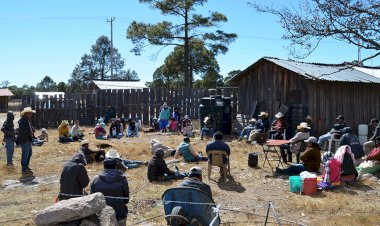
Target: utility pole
[110,21]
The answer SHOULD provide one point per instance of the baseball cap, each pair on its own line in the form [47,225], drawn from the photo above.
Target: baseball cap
[195,171]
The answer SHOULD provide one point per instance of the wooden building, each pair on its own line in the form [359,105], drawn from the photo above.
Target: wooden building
[5,95]
[322,91]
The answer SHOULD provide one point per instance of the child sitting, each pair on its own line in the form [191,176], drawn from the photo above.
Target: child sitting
[172,127]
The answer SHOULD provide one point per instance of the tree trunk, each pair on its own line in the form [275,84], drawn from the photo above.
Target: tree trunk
[188,75]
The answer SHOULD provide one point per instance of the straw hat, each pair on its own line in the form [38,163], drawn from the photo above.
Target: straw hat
[112,153]
[252,120]
[303,125]
[83,142]
[279,115]
[64,122]
[263,113]
[43,130]
[26,110]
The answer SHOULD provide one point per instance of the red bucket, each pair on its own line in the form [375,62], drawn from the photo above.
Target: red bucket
[309,186]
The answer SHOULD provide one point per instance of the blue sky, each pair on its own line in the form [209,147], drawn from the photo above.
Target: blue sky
[42,37]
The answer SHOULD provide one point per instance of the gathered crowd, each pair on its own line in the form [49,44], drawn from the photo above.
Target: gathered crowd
[312,154]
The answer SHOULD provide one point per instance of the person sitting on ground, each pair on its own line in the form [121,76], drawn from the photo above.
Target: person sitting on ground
[159,171]
[218,145]
[347,160]
[76,132]
[294,143]
[91,155]
[111,182]
[64,132]
[311,160]
[278,127]
[187,127]
[164,117]
[247,130]
[44,136]
[208,128]
[336,131]
[132,130]
[154,124]
[370,144]
[74,178]
[348,138]
[176,115]
[195,181]
[126,163]
[100,131]
[172,126]
[156,144]
[188,153]
[116,129]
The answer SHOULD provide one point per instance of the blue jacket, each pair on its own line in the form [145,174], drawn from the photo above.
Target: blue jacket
[112,182]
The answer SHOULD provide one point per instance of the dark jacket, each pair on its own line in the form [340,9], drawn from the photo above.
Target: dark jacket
[311,158]
[25,131]
[218,145]
[263,125]
[74,177]
[112,182]
[351,140]
[8,129]
[194,182]
[348,166]
[376,133]
[157,167]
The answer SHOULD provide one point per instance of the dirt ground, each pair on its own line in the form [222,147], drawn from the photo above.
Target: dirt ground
[243,198]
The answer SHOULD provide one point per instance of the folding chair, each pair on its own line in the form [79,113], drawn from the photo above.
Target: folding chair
[216,159]
[302,149]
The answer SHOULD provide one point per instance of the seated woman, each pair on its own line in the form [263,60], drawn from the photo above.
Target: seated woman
[347,161]
[187,127]
[188,153]
[76,132]
[172,126]
[278,127]
[311,160]
[116,129]
[64,132]
[100,131]
[132,130]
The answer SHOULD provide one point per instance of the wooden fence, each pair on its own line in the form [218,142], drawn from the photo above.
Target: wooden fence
[144,103]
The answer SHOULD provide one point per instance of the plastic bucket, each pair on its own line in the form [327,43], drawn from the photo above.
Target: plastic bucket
[363,130]
[309,186]
[295,184]
[363,139]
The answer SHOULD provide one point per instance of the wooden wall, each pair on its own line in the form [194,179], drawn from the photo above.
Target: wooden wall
[273,85]
[144,103]
[4,104]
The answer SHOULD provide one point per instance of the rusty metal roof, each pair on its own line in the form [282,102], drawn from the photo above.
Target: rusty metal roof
[5,93]
[330,72]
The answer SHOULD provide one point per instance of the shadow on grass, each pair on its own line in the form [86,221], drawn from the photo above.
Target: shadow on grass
[230,185]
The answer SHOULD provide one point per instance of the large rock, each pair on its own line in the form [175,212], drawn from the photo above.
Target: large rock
[71,210]
[107,216]
[88,222]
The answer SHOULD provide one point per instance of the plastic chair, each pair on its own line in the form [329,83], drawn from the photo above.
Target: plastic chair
[216,159]
[334,140]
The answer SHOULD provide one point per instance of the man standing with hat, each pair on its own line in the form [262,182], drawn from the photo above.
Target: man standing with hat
[369,145]
[195,181]
[9,137]
[25,137]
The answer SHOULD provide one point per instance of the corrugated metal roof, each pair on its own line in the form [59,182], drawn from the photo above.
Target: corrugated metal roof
[371,71]
[119,84]
[342,73]
[5,93]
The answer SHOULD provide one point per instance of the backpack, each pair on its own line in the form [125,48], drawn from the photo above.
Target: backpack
[332,171]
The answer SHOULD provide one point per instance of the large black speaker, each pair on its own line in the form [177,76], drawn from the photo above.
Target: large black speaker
[220,109]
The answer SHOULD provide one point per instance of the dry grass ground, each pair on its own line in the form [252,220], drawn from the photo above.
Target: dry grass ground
[247,191]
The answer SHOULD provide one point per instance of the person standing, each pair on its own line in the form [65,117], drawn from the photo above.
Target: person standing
[9,137]
[164,117]
[25,137]
[74,178]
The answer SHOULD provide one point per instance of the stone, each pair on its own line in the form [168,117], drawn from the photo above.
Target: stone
[88,222]
[107,216]
[71,210]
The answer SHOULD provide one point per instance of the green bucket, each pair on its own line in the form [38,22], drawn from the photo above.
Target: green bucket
[295,184]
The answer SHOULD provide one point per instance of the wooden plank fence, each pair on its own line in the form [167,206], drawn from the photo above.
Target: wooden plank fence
[144,103]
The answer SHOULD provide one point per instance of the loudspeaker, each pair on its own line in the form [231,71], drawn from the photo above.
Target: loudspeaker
[253,159]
